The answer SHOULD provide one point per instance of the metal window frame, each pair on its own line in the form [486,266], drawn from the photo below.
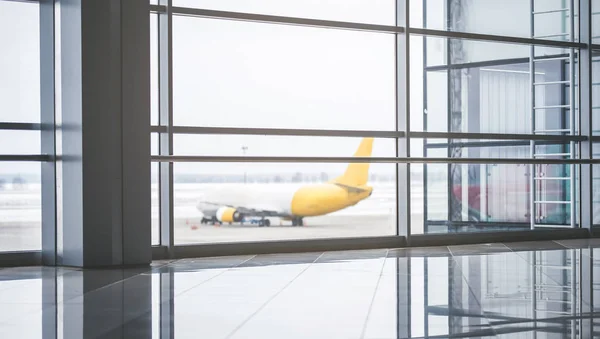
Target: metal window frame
[402,31]
[586,181]
[384,160]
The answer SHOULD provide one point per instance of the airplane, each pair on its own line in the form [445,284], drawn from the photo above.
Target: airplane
[226,204]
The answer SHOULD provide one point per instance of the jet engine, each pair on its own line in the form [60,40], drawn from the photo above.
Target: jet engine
[228,214]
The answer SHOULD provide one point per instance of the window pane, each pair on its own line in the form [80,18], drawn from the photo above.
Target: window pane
[323,195]
[490,92]
[20,206]
[488,197]
[241,74]
[154,143]
[155,205]
[596,187]
[19,62]
[596,92]
[19,142]
[472,148]
[290,146]
[154,69]
[509,17]
[595,22]
[363,11]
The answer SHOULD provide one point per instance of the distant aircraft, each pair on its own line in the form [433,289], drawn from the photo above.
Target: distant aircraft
[248,202]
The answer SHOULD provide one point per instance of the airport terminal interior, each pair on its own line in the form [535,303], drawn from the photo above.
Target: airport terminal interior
[299,169]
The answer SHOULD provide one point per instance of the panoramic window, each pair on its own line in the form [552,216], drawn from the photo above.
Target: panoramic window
[244,76]
[20,182]
[259,103]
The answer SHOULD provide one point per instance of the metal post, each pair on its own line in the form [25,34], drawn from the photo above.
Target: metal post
[403,120]
[165,75]
[48,135]
[425,172]
[532,167]
[572,115]
[585,111]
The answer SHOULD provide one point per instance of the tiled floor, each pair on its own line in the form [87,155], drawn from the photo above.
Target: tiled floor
[517,290]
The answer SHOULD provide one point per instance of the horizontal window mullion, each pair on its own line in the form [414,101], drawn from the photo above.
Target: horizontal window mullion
[158,8]
[20,126]
[496,136]
[363,26]
[364,133]
[25,157]
[277,132]
[276,19]
[493,38]
[491,143]
[393,160]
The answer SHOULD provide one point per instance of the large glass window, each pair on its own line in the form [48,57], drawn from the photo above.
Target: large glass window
[20,182]
[20,206]
[226,202]
[241,74]
[256,100]
[469,88]
[19,62]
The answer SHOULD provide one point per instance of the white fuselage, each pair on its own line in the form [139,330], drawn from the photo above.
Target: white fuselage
[260,196]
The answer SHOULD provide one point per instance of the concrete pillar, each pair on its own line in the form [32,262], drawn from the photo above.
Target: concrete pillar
[103,140]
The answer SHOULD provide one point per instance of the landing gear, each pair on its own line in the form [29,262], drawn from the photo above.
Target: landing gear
[299,221]
[264,222]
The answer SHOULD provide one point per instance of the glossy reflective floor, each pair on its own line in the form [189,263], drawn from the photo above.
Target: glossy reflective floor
[516,290]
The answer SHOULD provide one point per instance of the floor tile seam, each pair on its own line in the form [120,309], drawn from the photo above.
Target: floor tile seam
[214,276]
[111,284]
[369,310]
[135,276]
[452,254]
[261,307]
[559,243]
[479,302]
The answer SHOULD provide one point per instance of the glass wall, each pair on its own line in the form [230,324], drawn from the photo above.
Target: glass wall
[493,101]
[303,118]
[20,181]
[258,103]
[255,90]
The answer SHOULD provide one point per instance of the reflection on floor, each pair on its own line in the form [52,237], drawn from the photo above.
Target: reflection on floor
[516,290]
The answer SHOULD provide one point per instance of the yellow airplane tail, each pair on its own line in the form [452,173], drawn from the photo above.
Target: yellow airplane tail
[357,174]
